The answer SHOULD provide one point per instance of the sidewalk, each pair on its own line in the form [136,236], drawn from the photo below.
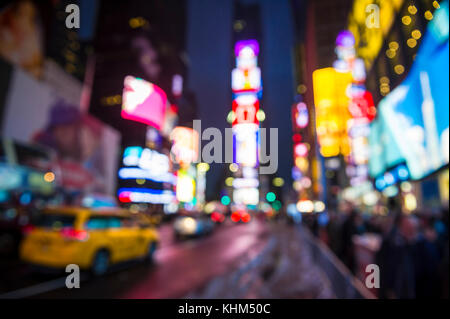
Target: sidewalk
[285,269]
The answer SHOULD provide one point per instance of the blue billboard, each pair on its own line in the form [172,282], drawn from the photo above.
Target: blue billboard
[413,120]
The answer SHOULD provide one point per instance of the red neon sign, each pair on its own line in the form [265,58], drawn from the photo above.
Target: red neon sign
[245,111]
[362,105]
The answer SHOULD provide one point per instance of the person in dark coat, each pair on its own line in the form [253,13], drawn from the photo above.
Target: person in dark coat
[396,260]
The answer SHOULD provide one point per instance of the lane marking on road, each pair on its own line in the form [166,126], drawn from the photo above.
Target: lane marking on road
[35,290]
[38,289]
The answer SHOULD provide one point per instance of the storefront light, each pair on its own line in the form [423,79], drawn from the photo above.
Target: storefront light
[271,197]
[278,182]
[203,167]
[416,34]
[384,80]
[380,183]
[406,187]
[428,15]
[399,69]
[391,191]
[393,45]
[412,9]
[406,20]
[260,115]
[390,53]
[403,173]
[49,177]
[411,42]
[231,117]
[305,206]
[370,199]
[297,186]
[410,202]
[319,206]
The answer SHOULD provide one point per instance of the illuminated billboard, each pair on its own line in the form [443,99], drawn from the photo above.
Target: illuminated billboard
[248,80]
[185,187]
[147,164]
[143,102]
[331,102]
[245,117]
[185,145]
[246,48]
[300,115]
[246,141]
[143,195]
[415,115]
[370,23]
[245,108]
[246,196]
[361,104]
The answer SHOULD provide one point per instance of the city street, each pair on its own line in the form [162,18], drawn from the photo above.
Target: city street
[179,266]
[224,149]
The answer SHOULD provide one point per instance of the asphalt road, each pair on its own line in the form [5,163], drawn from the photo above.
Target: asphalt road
[179,268]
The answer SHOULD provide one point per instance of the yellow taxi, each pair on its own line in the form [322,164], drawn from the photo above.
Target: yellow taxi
[93,239]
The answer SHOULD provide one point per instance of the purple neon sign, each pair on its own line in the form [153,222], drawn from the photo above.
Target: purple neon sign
[252,44]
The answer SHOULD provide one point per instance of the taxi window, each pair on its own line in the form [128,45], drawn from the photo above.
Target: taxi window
[55,221]
[98,222]
[114,222]
[104,222]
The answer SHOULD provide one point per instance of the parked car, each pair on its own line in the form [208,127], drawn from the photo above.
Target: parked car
[93,239]
[192,226]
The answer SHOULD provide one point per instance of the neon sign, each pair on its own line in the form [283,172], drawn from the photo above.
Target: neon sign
[142,195]
[185,144]
[245,109]
[143,102]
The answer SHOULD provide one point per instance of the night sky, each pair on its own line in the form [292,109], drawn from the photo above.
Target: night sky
[209,48]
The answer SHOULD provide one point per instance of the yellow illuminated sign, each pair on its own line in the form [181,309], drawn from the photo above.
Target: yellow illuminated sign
[443,186]
[370,26]
[185,187]
[331,102]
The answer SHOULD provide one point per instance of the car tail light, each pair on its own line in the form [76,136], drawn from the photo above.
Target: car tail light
[235,217]
[246,218]
[217,217]
[74,234]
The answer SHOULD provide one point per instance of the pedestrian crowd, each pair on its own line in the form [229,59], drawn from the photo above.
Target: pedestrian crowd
[413,256]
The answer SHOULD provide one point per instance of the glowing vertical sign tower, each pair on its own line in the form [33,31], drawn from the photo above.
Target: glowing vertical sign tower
[247,89]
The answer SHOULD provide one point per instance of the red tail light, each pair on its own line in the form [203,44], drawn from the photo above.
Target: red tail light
[235,217]
[246,218]
[217,217]
[74,234]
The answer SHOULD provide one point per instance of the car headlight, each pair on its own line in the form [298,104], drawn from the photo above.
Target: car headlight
[187,225]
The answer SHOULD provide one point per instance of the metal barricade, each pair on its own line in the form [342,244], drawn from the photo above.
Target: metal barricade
[345,285]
